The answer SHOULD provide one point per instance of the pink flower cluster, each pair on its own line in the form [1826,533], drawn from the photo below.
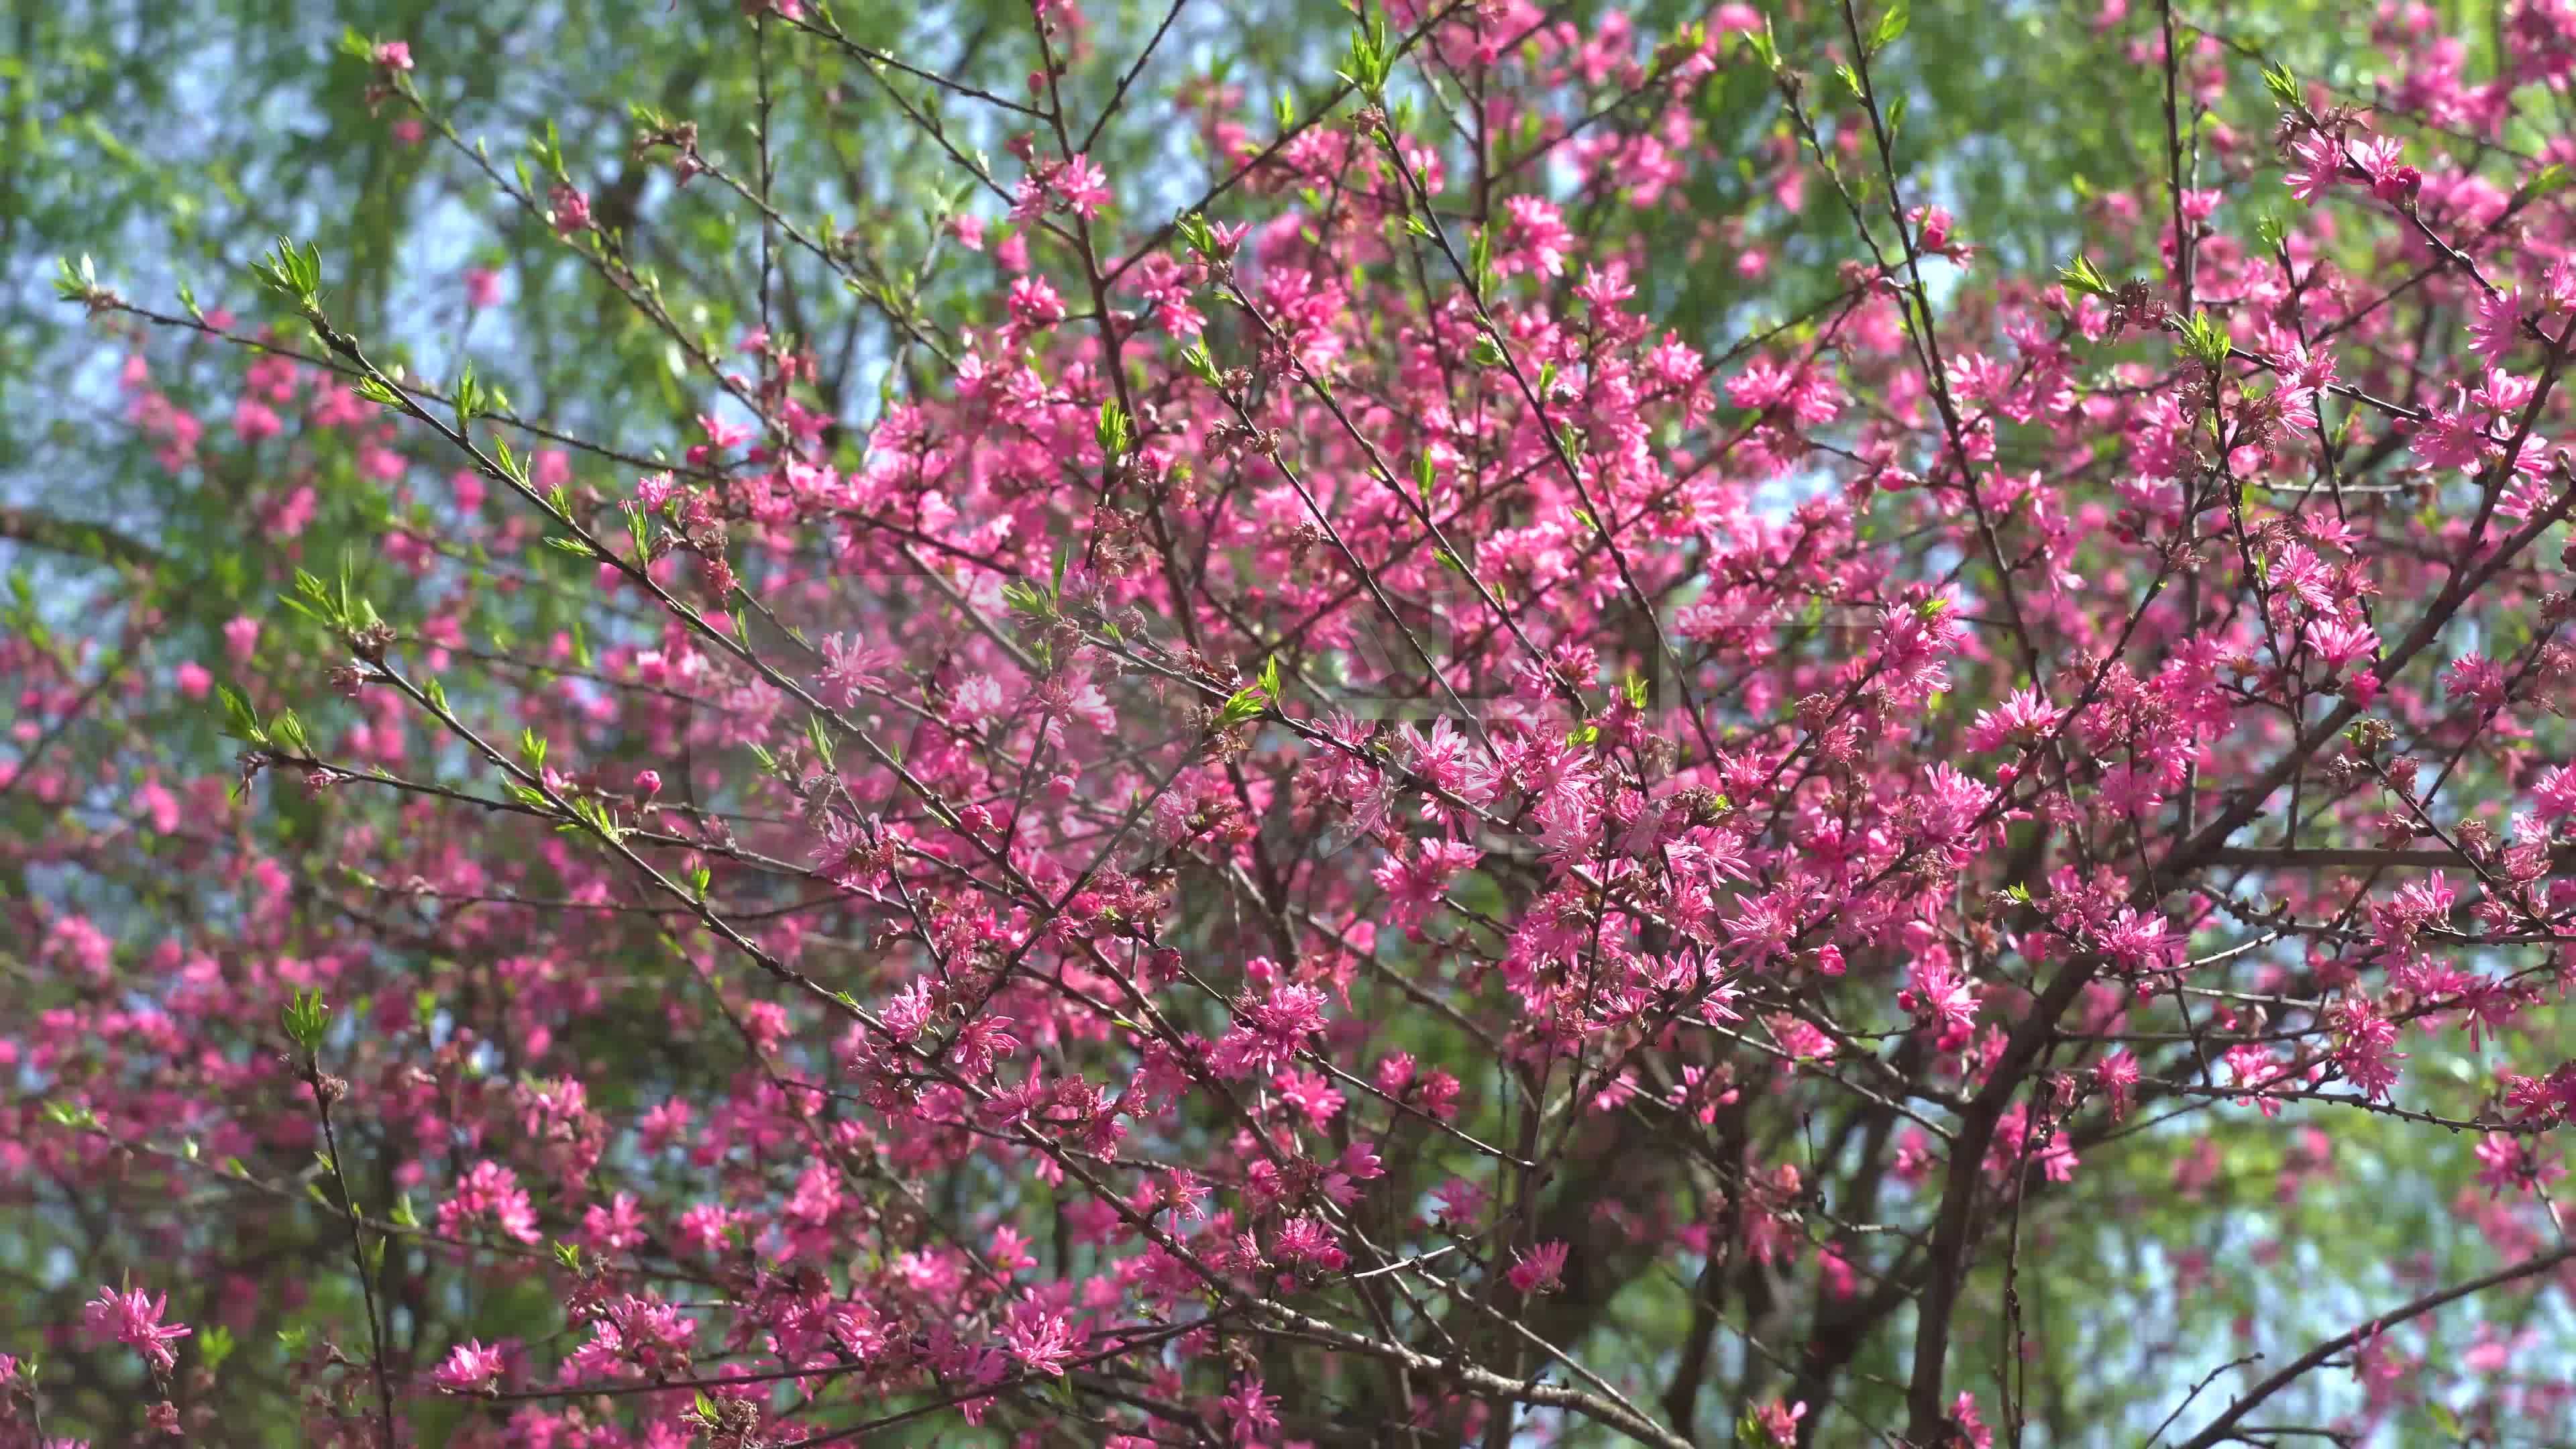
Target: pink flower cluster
[1340,817]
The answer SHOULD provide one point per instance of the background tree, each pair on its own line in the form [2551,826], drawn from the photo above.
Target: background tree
[1183,722]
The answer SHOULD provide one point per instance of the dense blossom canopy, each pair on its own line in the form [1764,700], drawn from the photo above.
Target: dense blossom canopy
[1317,828]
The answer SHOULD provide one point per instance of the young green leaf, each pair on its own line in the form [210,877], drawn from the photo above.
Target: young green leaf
[305,1018]
[1891,26]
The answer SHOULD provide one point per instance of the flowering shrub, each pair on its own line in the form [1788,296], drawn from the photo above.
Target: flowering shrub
[1318,831]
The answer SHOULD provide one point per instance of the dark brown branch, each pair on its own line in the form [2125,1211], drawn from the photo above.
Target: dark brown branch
[2218,1429]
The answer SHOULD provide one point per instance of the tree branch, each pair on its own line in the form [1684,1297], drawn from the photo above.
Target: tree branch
[2218,1428]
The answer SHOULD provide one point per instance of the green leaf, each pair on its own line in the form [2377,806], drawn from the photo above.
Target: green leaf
[306,1018]
[70,1115]
[821,739]
[2284,87]
[1203,367]
[1027,598]
[1369,60]
[1891,26]
[239,722]
[1765,46]
[2207,340]
[2080,275]
[1243,706]
[75,281]
[469,397]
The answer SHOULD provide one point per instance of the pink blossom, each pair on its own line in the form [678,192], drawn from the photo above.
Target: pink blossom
[2118,1076]
[1253,1411]
[1042,1341]
[1083,187]
[1034,304]
[1541,1269]
[469,1369]
[255,420]
[1765,763]
[2496,325]
[1779,1422]
[1535,238]
[489,1193]
[133,1319]
[569,209]
[241,638]
[2450,440]
[1415,886]
[2364,1046]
